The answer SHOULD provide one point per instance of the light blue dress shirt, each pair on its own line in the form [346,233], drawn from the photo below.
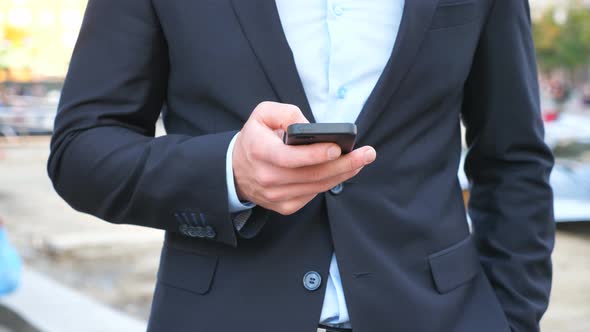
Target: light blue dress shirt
[340,48]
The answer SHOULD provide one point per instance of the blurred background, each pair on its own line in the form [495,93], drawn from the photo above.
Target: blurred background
[64,271]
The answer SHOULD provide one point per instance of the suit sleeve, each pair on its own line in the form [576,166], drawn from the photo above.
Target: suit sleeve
[508,165]
[104,158]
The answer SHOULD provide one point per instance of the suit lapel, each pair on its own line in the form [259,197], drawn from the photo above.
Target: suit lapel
[261,24]
[416,19]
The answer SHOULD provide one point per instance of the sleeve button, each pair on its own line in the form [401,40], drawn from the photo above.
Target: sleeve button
[210,232]
[183,229]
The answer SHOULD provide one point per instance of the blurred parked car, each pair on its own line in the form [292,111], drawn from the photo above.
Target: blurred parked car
[567,127]
[28,109]
[27,120]
[570,180]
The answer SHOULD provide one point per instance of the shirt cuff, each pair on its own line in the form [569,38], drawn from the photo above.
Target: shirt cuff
[235,205]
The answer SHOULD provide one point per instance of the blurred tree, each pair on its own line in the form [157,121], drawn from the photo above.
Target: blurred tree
[15,53]
[562,38]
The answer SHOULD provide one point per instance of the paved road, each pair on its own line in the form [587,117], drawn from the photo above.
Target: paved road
[117,264]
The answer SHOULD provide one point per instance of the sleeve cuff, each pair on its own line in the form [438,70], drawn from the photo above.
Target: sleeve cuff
[235,205]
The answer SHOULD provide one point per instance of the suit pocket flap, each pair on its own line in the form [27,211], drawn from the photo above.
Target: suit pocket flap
[185,270]
[454,14]
[454,266]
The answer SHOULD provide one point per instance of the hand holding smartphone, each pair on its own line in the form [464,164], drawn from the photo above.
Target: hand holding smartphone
[284,179]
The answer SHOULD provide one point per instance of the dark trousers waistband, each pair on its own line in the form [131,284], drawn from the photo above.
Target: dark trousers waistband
[324,328]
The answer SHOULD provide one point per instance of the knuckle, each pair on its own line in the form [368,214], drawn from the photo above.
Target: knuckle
[256,152]
[263,105]
[351,164]
[265,179]
[294,112]
[269,196]
[282,212]
[315,175]
[249,156]
[287,209]
[311,175]
[317,154]
[263,109]
[293,109]
[281,160]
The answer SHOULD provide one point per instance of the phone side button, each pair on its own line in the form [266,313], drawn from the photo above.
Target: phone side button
[337,190]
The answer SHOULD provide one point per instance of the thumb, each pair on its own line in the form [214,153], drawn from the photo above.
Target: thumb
[278,116]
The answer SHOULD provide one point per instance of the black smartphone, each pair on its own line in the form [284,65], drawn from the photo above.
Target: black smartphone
[343,134]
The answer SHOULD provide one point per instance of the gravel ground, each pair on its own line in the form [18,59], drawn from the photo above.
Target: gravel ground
[117,264]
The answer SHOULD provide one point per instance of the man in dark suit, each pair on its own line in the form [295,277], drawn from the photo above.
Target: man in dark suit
[387,248]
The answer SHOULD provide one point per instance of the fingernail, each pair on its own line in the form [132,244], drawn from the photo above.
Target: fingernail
[370,156]
[333,153]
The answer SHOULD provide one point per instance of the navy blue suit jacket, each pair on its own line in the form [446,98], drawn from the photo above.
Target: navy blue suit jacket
[407,258]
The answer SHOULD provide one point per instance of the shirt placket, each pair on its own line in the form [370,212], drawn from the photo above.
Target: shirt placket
[338,19]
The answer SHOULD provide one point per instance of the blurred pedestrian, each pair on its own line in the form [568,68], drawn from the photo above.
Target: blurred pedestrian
[10,264]
[586,94]
[560,92]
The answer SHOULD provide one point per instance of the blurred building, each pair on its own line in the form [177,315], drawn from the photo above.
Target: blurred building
[37,37]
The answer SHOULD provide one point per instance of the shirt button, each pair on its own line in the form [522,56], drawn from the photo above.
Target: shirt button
[342,93]
[338,189]
[312,281]
[338,10]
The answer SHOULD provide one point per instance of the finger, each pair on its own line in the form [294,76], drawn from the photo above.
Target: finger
[269,148]
[296,156]
[295,191]
[278,116]
[289,207]
[357,159]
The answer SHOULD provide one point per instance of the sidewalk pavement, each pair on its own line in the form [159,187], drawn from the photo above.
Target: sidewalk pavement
[51,307]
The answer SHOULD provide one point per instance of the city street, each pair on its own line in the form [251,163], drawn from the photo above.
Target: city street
[117,264]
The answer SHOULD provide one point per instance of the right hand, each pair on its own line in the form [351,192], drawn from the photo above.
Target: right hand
[285,178]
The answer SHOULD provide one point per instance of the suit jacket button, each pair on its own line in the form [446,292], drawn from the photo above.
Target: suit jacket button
[312,281]
[338,189]
[194,231]
[184,229]
[210,232]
